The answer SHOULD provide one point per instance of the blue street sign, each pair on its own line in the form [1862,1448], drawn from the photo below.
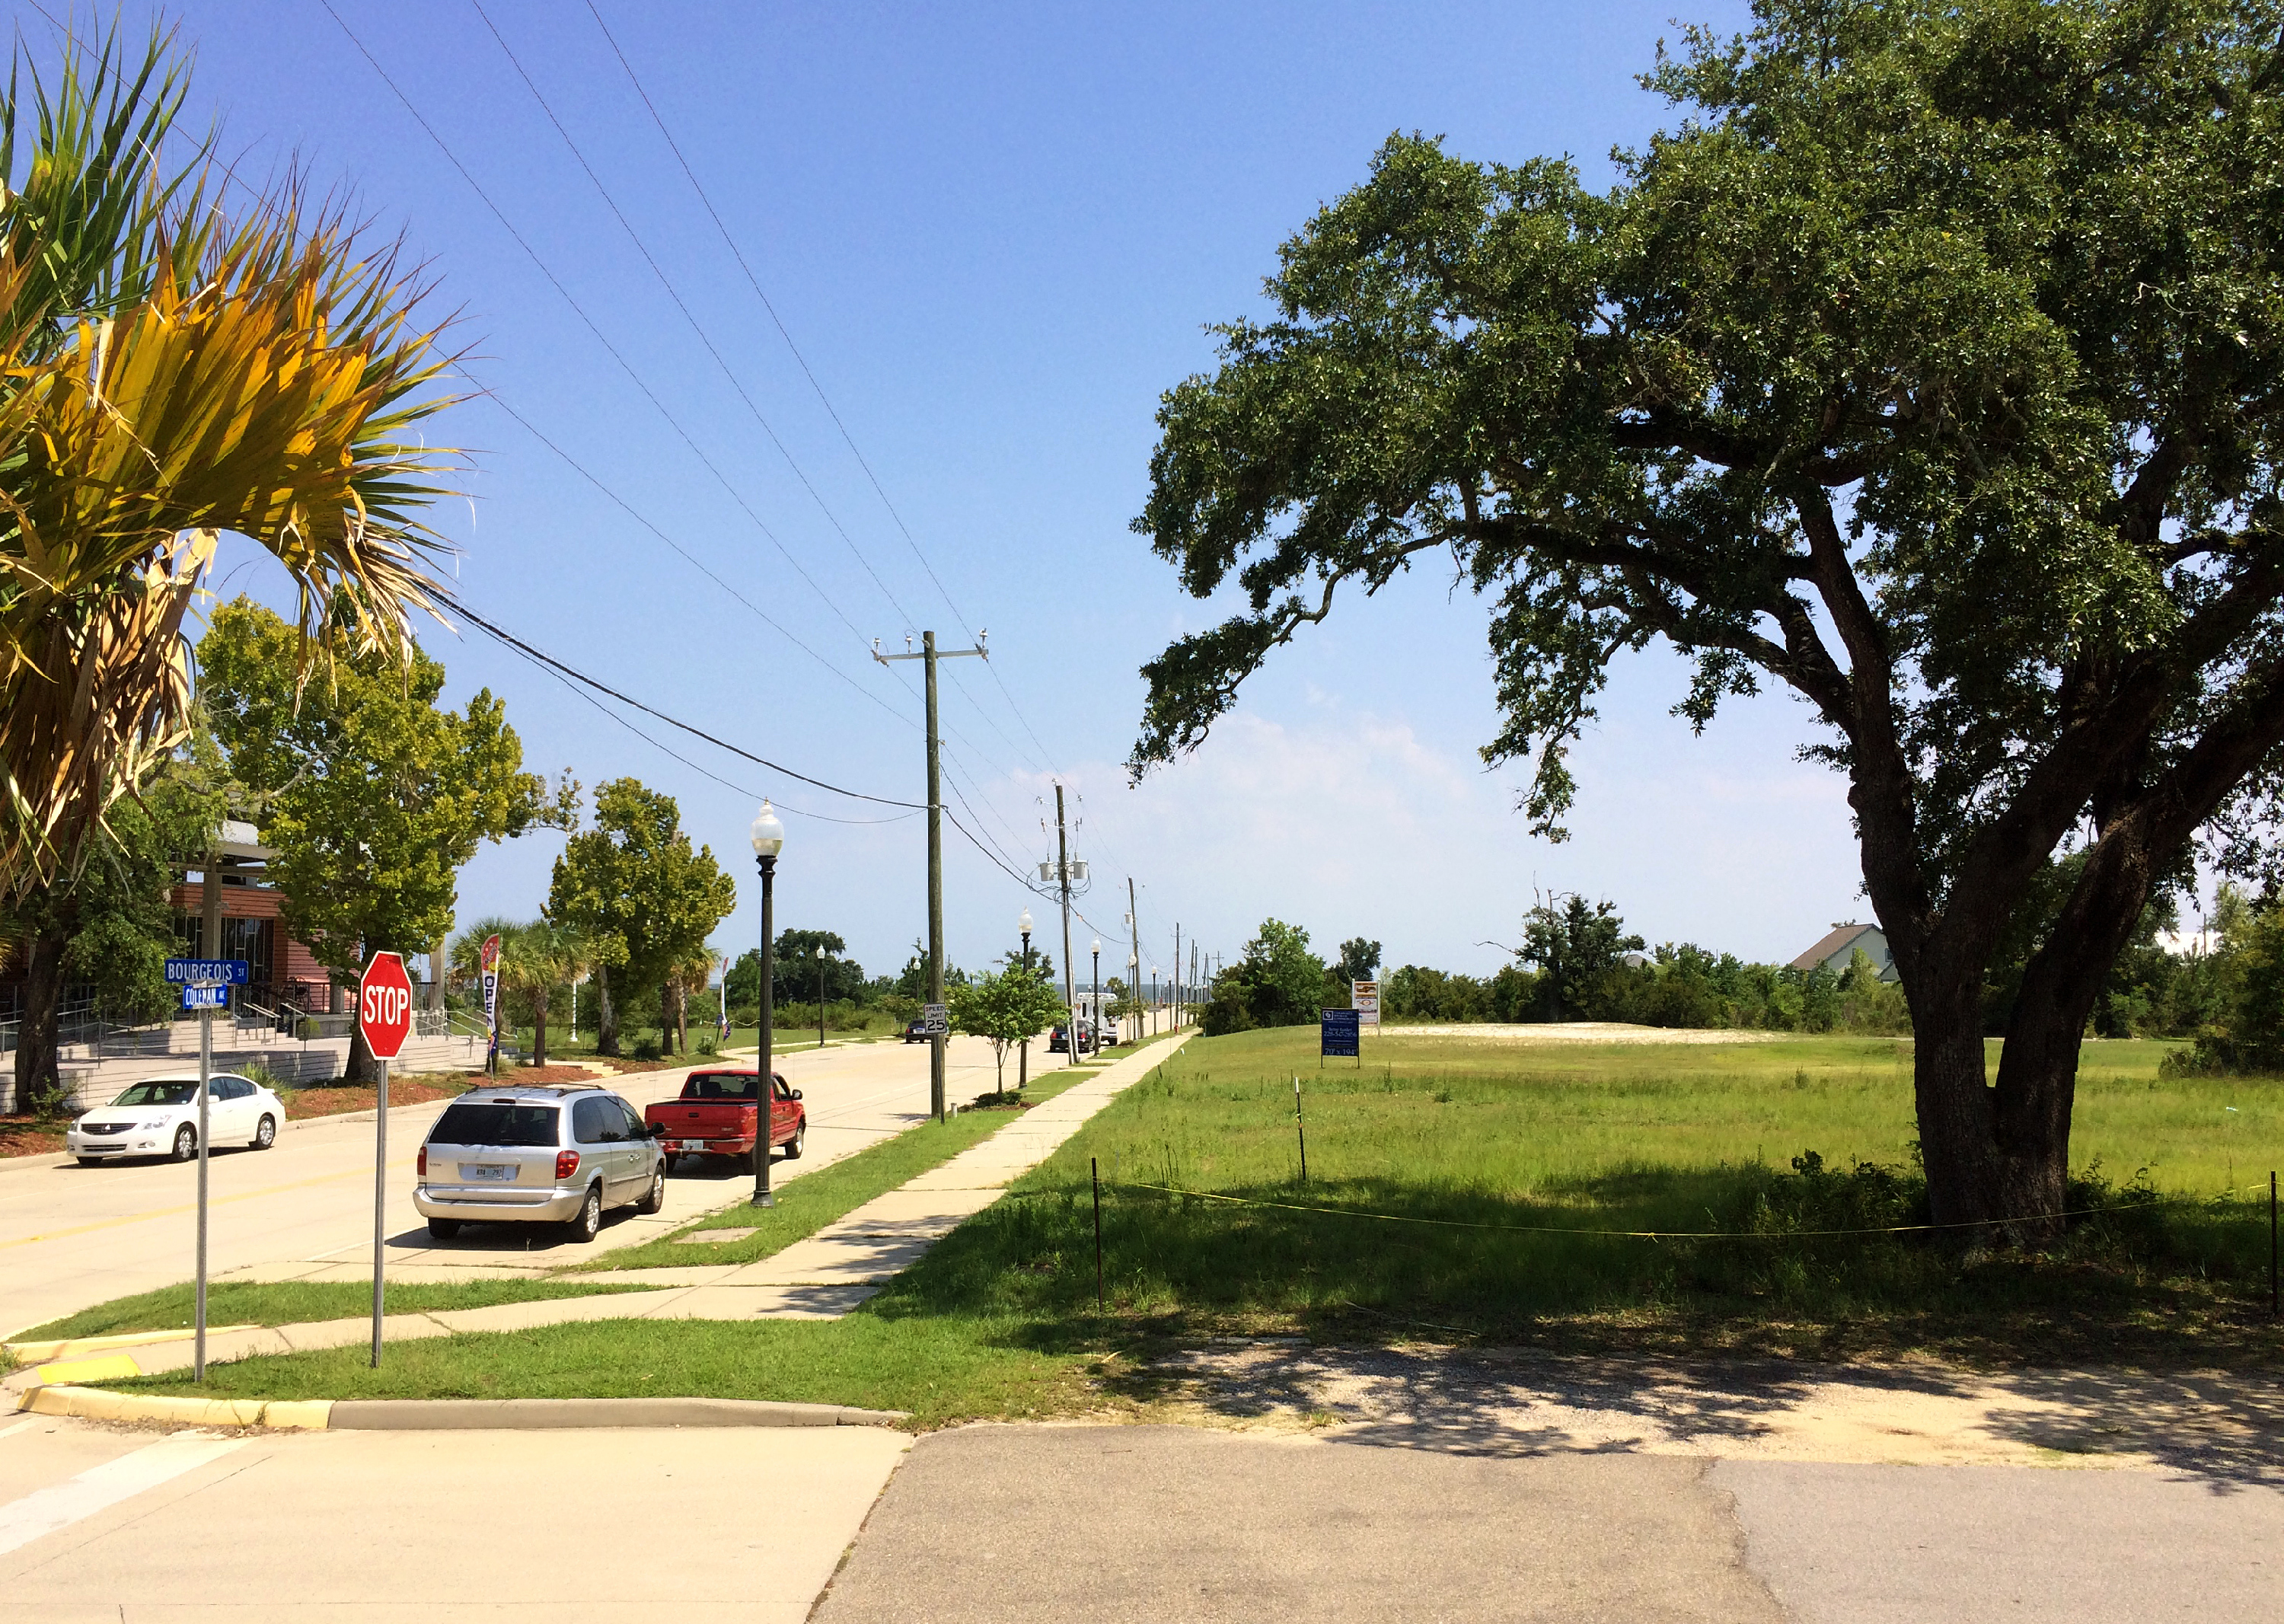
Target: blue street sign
[206,997]
[1337,1033]
[206,972]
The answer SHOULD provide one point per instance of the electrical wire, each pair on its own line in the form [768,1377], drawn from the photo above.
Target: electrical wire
[580,311]
[674,295]
[753,282]
[513,642]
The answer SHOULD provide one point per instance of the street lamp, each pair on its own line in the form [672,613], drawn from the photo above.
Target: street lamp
[1023,1054]
[820,995]
[769,839]
[1098,1003]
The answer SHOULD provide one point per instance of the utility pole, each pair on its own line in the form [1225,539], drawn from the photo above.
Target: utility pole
[1175,992]
[1134,956]
[934,845]
[1063,879]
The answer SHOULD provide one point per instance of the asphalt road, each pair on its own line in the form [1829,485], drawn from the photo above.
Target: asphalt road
[1011,1525]
[1074,1524]
[73,1237]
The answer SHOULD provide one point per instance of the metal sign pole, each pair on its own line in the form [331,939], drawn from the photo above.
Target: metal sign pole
[205,1075]
[380,1202]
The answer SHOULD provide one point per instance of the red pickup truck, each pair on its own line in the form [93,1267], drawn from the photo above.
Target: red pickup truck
[716,1116]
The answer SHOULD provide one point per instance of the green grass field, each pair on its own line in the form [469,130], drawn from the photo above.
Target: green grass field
[1449,1182]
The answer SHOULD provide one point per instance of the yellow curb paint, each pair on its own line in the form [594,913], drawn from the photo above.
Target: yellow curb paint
[94,1404]
[72,1347]
[72,1372]
[305,1415]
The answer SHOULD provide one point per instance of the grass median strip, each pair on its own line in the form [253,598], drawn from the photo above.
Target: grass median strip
[941,1372]
[815,1199]
[294,1302]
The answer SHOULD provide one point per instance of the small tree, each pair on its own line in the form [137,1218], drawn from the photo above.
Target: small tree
[636,887]
[1009,1008]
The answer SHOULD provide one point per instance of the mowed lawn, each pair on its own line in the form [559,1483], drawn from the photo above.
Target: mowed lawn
[1450,1184]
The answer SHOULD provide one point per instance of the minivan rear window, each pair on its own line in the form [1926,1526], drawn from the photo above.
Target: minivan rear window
[495,1122]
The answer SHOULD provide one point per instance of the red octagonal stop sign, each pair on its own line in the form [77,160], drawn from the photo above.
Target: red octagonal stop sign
[385,1006]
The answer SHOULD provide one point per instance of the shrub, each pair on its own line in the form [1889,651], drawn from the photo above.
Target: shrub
[647,1048]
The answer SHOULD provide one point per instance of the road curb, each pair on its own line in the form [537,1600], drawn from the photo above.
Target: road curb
[95,1405]
[444,1415]
[540,1415]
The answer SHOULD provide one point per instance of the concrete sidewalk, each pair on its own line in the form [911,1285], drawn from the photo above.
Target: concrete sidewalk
[820,1277]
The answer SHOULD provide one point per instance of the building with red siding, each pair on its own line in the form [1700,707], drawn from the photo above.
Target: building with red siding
[280,970]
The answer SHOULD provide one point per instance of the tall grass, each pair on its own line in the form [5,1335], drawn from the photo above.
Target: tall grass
[1461,1177]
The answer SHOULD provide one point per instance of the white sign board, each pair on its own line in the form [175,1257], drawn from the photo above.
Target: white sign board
[1364,998]
[937,1020]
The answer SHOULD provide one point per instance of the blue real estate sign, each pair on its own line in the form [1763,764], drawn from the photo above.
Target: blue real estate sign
[1337,1031]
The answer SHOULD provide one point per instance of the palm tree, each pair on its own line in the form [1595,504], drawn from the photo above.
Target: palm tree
[538,959]
[169,371]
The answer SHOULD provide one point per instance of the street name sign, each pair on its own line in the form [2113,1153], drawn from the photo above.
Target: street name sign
[203,997]
[385,1006]
[1337,1033]
[206,972]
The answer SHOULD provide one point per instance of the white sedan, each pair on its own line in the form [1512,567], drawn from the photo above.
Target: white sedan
[159,1117]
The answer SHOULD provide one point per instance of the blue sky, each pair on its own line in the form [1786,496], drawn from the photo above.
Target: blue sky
[996,234]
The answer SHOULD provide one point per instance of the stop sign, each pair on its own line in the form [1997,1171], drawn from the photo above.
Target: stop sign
[385,1006]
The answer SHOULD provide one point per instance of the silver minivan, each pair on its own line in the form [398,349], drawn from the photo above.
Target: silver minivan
[538,1154]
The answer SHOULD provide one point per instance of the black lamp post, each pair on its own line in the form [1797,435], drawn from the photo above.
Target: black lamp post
[768,837]
[1098,1003]
[820,995]
[1023,1054]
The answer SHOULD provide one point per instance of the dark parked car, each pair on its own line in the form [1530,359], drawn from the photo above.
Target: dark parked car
[916,1032]
[1059,1040]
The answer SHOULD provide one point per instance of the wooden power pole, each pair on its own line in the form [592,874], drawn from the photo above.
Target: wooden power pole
[928,655]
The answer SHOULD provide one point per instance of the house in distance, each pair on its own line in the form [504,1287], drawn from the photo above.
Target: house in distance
[1835,949]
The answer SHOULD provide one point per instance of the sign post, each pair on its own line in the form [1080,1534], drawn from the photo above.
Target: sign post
[384,1018]
[205,984]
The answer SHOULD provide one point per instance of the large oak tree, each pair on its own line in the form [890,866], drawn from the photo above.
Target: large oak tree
[1930,366]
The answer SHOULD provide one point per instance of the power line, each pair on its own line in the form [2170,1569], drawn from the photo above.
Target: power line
[545,658]
[569,674]
[674,295]
[697,564]
[753,282]
[580,311]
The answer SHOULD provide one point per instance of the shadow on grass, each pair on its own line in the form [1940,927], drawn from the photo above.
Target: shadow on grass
[2138,1283]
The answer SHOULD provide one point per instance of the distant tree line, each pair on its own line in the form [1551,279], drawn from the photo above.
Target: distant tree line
[1577,962]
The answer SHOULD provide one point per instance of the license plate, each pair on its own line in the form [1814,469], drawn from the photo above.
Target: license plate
[481,1172]
[691,1147]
